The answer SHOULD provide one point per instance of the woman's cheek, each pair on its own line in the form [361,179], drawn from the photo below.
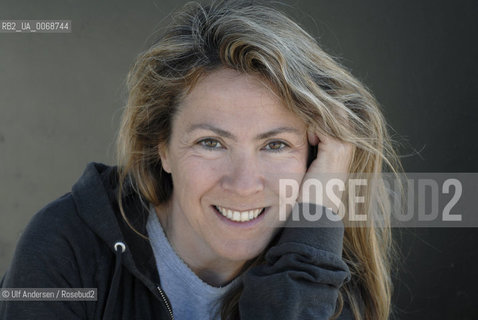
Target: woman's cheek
[285,164]
[204,164]
[285,167]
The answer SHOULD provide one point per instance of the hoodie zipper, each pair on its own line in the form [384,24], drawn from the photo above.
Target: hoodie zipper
[166,302]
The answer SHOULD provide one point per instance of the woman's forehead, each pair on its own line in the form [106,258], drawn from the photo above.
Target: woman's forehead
[239,101]
[230,91]
[225,82]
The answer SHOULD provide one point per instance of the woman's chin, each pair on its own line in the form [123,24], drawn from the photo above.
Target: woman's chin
[242,250]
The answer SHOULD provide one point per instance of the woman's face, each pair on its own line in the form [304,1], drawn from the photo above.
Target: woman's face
[232,140]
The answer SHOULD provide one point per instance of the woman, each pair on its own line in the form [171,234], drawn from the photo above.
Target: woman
[232,98]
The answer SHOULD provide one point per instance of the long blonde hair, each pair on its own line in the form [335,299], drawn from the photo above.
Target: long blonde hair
[260,40]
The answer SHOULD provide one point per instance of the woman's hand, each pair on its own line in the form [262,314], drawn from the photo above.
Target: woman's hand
[306,259]
[332,161]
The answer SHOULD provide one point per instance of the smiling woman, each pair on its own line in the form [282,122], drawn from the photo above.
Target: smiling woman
[231,140]
[230,100]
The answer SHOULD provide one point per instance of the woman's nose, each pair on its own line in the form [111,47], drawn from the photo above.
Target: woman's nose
[244,176]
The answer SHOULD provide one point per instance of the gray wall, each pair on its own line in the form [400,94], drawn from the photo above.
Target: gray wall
[61,97]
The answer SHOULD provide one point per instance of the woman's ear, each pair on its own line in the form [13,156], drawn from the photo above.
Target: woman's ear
[164,156]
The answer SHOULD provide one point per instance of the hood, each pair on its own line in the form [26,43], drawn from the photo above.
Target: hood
[95,196]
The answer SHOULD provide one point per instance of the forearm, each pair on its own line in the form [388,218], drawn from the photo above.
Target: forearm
[301,277]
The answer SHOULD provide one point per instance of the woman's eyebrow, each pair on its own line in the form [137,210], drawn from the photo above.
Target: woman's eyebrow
[277,131]
[216,130]
[227,134]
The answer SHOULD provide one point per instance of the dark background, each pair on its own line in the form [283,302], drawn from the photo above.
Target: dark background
[61,96]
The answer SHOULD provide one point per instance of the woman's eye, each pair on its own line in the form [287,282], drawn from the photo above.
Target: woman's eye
[210,144]
[275,146]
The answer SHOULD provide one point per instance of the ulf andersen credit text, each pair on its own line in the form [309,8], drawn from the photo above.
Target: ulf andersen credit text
[48,294]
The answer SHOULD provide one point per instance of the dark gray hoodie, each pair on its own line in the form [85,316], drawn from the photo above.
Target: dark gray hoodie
[71,244]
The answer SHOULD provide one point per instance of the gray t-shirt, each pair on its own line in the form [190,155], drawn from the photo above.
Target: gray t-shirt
[190,297]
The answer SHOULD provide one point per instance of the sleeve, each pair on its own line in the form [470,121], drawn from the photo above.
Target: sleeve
[44,258]
[300,278]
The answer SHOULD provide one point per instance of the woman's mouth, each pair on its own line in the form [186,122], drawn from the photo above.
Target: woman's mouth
[239,216]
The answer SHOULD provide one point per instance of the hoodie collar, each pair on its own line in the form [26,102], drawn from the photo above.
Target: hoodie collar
[95,195]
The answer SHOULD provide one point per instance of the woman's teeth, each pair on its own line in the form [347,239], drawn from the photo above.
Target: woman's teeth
[239,216]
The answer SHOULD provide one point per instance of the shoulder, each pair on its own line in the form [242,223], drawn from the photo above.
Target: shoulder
[55,223]
[53,252]
[56,249]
